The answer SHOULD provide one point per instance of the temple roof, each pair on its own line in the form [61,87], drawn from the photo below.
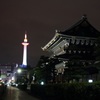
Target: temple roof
[82,28]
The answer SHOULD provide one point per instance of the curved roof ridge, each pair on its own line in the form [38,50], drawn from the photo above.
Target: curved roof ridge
[83,18]
[81,28]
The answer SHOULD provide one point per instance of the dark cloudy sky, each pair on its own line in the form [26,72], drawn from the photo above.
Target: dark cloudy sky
[40,18]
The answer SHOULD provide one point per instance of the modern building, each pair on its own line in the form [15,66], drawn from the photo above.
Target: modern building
[74,48]
[6,71]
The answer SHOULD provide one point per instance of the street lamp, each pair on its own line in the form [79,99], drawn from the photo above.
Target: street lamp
[90,81]
[19,70]
[42,83]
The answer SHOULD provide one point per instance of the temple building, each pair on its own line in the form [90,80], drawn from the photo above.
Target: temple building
[74,48]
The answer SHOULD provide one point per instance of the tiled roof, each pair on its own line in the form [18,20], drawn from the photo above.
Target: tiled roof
[82,28]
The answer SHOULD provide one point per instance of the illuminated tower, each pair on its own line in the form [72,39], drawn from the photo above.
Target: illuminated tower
[25,44]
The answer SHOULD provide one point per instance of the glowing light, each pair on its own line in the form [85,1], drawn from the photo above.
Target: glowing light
[90,80]
[13,78]
[9,81]
[16,85]
[0,84]
[25,40]
[19,70]
[42,83]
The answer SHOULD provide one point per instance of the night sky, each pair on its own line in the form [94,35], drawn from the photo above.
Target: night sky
[40,18]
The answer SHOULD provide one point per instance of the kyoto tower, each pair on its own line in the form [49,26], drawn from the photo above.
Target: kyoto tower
[25,44]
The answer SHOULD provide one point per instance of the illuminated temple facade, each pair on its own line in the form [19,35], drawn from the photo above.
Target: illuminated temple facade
[74,48]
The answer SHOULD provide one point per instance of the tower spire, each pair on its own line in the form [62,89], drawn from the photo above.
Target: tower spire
[25,39]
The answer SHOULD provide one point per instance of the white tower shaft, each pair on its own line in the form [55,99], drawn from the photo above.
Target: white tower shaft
[25,44]
[25,55]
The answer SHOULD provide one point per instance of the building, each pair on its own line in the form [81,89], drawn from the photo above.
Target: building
[6,71]
[74,48]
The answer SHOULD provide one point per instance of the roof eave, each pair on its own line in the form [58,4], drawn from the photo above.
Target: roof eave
[52,41]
